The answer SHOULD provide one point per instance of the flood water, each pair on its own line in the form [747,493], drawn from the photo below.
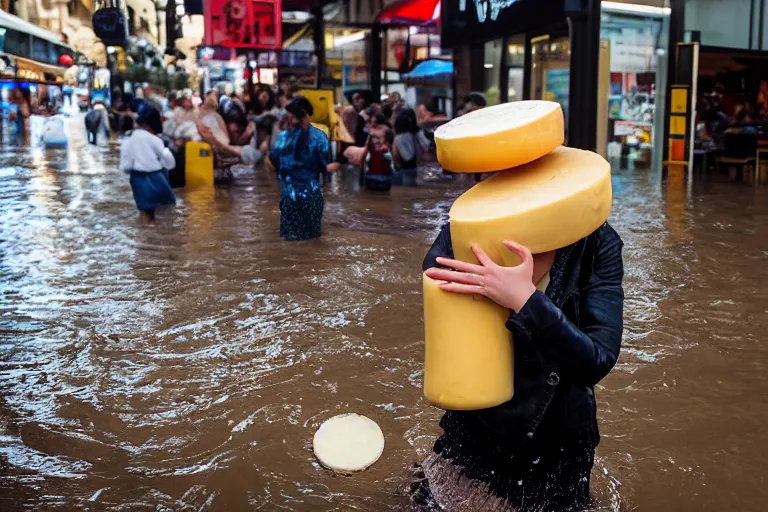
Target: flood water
[186,365]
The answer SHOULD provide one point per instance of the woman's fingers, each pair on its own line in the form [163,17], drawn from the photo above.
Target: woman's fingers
[439,274]
[481,256]
[460,265]
[520,250]
[466,289]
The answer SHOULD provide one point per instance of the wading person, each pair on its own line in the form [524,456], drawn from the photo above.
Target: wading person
[536,451]
[300,158]
[146,159]
[97,123]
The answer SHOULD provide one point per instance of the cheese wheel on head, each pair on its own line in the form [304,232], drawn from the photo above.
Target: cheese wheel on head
[468,363]
[544,205]
[348,443]
[500,137]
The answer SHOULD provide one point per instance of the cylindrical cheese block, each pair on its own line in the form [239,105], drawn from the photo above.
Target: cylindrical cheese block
[544,205]
[500,137]
[468,350]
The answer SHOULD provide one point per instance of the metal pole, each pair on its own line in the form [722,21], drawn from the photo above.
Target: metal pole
[318,28]
[375,66]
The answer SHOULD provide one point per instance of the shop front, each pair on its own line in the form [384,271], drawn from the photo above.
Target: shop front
[523,49]
[602,61]
[727,77]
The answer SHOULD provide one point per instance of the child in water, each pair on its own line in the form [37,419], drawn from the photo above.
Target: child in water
[536,451]
[147,160]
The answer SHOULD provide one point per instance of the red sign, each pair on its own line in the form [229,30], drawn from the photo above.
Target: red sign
[255,24]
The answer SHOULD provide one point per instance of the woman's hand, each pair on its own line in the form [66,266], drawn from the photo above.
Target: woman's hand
[510,287]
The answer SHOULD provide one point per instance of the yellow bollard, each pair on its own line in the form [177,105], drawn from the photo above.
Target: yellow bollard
[199,165]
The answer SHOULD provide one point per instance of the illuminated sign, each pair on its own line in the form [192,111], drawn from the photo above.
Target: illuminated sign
[252,24]
[478,21]
[482,6]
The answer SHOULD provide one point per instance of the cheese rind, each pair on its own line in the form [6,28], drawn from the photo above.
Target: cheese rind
[544,205]
[468,350]
[500,137]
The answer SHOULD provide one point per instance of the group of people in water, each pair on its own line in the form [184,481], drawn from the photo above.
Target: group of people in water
[385,140]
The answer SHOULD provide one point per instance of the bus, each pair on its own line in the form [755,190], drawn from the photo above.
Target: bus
[32,60]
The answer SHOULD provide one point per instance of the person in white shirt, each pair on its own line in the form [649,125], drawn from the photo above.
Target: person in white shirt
[147,160]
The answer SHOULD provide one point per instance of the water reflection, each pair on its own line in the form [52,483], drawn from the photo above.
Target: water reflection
[189,363]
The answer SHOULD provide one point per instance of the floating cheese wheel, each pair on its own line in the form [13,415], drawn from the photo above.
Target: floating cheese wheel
[468,362]
[545,205]
[500,137]
[348,443]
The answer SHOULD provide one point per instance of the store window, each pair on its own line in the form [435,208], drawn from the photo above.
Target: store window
[492,64]
[515,67]
[723,23]
[632,42]
[550,70]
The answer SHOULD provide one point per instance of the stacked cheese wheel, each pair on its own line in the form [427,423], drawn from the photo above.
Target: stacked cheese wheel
[545,197]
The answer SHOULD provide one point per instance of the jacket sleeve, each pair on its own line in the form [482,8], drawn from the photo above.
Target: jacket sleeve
[588,353]
[441,247]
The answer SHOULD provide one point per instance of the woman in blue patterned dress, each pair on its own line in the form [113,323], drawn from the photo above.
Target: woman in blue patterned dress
[300,158]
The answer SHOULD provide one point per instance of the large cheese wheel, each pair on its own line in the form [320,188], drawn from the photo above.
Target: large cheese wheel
[348,443]
[500,137]
[468,362]
[544,205]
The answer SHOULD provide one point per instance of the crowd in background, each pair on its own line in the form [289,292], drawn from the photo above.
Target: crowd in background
[385,142]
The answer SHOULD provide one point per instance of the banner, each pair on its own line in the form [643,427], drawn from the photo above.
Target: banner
[251,24]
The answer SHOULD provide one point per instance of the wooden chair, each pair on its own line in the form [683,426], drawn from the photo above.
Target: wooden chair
[740,151]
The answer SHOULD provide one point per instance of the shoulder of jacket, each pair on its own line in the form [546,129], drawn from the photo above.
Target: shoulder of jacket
[606,238]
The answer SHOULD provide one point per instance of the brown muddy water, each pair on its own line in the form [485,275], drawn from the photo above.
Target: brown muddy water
[186,365]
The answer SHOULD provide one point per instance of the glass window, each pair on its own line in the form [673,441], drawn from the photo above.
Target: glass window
[515,67]
[16,43]
[551,70]
[493,71]
[39,49]
[721,23]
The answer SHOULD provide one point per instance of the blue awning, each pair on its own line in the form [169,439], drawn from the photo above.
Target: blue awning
[431,69]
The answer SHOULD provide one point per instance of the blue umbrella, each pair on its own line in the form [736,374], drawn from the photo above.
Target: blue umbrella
[430,69]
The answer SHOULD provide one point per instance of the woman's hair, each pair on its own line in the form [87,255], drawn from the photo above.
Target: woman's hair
[300,107]
[235,113]
[149,118]
[256,106]
[406,122]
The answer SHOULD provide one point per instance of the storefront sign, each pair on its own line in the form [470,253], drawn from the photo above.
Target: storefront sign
[255,24]
[472,21]
[487,10]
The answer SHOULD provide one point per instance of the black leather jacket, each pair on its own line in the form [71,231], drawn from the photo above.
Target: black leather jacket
[566,341]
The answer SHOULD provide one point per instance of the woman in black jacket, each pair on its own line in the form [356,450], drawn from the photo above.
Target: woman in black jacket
[536,451]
